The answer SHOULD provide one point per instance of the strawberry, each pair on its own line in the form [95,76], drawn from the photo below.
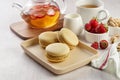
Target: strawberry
[54,7]
[36,7]
[95,45]
[33,17]
[92,30]
[103,44]
[51,12]
[102,28]
[46,5]
[97,29]
[94,23]
[87,27]
[37,15]
[40,14]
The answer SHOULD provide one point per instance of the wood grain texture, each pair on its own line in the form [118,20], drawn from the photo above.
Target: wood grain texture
[78,57]
[24,31]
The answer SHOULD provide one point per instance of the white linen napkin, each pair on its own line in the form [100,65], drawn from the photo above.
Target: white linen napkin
[109,60]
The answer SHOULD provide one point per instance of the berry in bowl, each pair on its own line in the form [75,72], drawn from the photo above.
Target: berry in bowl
[95,31]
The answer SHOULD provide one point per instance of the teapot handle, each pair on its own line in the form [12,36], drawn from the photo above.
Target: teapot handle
[18,6]
[62,5]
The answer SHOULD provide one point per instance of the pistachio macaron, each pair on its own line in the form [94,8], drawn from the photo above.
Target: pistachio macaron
[67,36]
[47,38]
[57,52]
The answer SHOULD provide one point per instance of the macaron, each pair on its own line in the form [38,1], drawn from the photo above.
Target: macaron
[57,52]
[67,36]
[47,38]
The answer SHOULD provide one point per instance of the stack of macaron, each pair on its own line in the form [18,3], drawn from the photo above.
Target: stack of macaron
[58,44]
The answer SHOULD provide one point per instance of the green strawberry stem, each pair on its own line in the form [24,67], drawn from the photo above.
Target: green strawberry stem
[106,26]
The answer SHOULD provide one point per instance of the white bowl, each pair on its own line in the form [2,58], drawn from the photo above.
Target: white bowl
[114,30]
[92,37]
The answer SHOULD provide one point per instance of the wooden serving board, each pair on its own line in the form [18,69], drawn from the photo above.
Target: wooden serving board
[79,56]
[23,30]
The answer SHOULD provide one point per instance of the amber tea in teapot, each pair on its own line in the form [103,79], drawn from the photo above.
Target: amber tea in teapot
[41,13]
[42,16]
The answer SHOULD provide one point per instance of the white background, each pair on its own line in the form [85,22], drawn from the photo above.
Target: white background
[15,65]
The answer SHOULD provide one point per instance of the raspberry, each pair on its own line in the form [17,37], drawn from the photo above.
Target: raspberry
[88,27]
[95,45]
[103,44]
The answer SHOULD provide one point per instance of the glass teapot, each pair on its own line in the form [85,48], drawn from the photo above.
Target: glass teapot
[42,13]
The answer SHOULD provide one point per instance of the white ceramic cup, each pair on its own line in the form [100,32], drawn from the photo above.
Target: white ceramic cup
[88,13]
[73,21]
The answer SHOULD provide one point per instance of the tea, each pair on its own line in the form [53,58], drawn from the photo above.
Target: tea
[89,6]
[42,16]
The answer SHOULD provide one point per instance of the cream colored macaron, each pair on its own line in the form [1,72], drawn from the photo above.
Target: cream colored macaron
[47,38]
[57,52]
[67,36]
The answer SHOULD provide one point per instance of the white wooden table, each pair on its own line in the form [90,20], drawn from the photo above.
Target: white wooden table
[15,65]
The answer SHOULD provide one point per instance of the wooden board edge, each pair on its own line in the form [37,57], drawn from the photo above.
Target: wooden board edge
[22,37]
[25,44]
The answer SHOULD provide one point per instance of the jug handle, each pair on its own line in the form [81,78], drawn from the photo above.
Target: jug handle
[62,5]
[18,6]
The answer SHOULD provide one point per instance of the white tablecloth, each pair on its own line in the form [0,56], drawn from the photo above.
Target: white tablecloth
[15,65]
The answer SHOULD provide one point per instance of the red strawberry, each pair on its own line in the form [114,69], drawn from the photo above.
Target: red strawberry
[102,28]
[103,44]
[97,29]
[92,30]
[88,27]
[33,17]
[37,15]
[40,14]
[95,45]
[94,23]
[51,12]
[36,7]
[54,7]
[46,5]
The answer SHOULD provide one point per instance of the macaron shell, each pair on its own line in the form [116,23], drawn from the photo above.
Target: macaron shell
[68,37]
[57,49]
[63,41]
[43,43]
[60,38]
[47,38]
